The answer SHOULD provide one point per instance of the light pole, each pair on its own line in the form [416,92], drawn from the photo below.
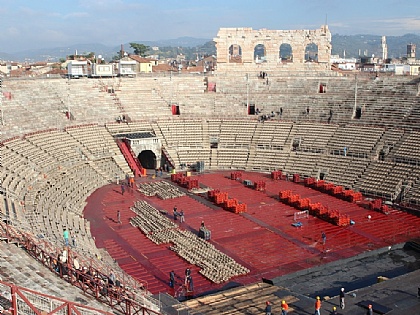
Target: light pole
[170,82]
[247,93]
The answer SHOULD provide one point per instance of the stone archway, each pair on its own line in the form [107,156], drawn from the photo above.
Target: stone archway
[147,159]
[230,39]
[235,53]
[311,52]
[285,53]
[260,54]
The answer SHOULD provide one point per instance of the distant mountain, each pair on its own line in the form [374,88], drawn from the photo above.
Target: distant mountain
[190,46]
[54,54]
[107,52]
[5,56]
[371,45]
[179,42]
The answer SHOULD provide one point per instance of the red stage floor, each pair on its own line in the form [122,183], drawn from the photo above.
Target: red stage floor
[263,239]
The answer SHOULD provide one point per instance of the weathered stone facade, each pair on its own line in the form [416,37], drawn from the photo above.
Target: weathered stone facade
[236,46]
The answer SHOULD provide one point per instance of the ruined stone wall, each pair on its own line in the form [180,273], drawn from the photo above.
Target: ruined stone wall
[247,39]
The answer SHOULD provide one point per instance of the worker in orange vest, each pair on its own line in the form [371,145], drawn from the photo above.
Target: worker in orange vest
[317,306]
[284,308]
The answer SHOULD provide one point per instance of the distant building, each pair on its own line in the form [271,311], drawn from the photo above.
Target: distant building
[143,65]
[7,67]
[127,67]
[415,69]
[102,70]
[208,63]
[346,64]
[411,50]
[77,68]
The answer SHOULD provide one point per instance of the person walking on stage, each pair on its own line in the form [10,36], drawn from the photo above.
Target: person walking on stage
[317,306]
[267,308]
[342,295]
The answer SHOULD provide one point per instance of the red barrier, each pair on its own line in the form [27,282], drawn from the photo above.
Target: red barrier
[337,190]
[292,198]
[302,204]
[384,209]
[212,193]
[283,195]
[220,197]
[235,175]
[309,181]
[276,175]
[191,183]
[242,207]
[230,203]
[259,185]
[356,196]
[327,187]
[176,177]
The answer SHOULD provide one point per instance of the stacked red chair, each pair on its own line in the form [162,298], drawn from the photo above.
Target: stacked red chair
[260,185]
[276,175]
[309,181]
[235,175]
[284,194]
[302,204]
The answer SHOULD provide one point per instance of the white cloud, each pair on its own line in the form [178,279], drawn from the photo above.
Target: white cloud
[76,15]
[12,31]
[407,25]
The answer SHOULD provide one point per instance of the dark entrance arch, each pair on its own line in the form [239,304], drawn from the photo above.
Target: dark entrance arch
[147,159]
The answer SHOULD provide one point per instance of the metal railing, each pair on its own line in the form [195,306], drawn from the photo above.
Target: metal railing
[84,275]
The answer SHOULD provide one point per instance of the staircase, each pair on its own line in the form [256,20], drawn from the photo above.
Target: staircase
[129,157]
[413,244]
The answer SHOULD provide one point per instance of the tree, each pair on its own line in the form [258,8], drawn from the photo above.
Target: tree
[139,49]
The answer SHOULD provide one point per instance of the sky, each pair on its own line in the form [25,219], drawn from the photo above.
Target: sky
[36,24]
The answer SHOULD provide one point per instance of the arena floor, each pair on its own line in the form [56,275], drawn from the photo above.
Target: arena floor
[262,239]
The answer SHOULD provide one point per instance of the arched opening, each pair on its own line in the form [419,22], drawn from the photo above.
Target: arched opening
[285,53]
[259,54]
[311,53]
[147,159]
[235,53]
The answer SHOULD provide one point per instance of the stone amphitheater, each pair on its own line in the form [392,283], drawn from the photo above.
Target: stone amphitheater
[51,164]
[358,131]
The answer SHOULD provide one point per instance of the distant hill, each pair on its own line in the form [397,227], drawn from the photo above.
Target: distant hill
[190,47]
[107,52]
[189,42]
[397,45]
